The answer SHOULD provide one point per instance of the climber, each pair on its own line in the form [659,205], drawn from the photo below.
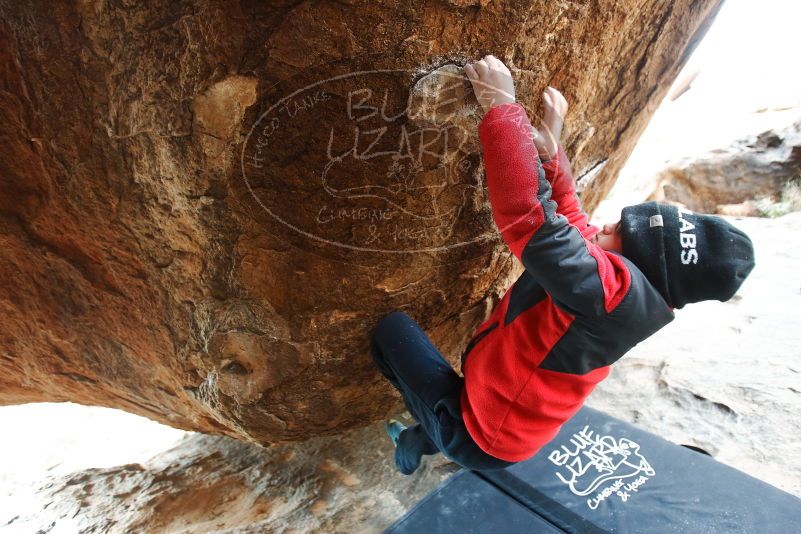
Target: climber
[586,297]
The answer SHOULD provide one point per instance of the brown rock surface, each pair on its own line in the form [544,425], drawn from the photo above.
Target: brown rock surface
[743,409]
[201,214]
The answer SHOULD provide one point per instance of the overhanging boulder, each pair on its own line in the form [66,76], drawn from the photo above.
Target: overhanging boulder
[206,206]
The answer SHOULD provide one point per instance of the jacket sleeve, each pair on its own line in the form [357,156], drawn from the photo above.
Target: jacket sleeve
[579,276]
[559,174]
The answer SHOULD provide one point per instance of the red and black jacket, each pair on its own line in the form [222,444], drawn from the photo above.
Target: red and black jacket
[574,311]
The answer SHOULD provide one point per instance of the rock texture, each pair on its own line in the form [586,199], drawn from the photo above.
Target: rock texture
[207,205]
[218,484]
[750,169]
[723,376]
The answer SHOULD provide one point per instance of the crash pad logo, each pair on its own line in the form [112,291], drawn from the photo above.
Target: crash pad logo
[378,161]
[598,466]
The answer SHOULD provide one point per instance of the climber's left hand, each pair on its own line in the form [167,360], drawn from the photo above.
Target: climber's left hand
[492,82]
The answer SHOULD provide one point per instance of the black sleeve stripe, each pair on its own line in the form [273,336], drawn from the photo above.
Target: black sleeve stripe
[590,343]
[526,293]
[559,259]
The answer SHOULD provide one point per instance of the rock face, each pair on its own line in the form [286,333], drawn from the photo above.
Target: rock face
[743,409]
[217,484]
[206,206]
[747,170]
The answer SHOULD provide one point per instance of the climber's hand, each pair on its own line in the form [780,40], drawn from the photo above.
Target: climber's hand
[555,106]
[541,143]
[492,82]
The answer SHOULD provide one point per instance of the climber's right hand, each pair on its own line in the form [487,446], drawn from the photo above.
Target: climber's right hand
[492,82]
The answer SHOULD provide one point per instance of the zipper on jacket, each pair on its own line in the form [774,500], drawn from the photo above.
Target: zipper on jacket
[473,342]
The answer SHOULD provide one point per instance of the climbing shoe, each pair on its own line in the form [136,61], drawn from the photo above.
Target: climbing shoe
[394,428]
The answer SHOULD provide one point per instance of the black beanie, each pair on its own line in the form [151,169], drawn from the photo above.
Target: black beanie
[687,256]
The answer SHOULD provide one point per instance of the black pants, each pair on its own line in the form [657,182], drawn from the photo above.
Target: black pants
[430,389]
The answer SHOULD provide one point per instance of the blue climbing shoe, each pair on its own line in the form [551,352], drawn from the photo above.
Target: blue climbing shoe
[394,428]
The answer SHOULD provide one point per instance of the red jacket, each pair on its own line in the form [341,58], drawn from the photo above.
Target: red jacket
[575,310]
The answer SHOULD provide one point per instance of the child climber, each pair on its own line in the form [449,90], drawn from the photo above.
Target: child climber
[586,297]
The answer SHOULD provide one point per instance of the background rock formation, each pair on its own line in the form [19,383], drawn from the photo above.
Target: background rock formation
[750,169]
[743,409]
[218,484]
[188,232]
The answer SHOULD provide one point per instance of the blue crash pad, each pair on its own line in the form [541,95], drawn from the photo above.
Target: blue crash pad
[603,475]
